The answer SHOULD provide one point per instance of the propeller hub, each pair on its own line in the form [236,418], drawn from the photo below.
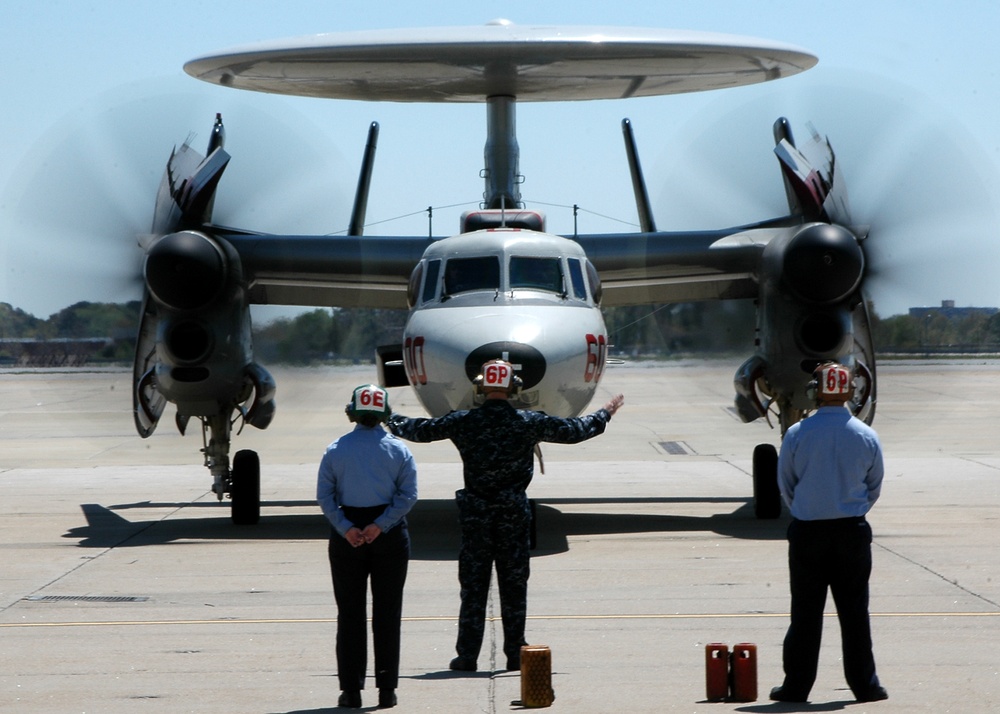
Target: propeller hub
[185,270]
[823,263]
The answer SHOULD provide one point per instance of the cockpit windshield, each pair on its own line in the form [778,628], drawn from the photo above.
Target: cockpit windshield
[544,273]
[536,274]
[464,274]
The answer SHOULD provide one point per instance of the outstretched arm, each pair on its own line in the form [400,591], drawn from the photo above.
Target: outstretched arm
[614,404]
[573,431]
[419,428]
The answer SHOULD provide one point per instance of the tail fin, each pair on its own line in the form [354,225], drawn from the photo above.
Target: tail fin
[187,191]
[357,225]
[646,222]
[815,189]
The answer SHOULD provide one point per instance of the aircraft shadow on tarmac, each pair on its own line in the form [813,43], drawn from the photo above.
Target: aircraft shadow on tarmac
[433,523]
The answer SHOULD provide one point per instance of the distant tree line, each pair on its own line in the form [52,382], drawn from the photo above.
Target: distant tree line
[328,335]
[937,333]
[114,324]
[337,335]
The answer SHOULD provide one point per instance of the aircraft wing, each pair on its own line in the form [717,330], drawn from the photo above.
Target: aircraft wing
[373,271]
[659,267]
[334,271]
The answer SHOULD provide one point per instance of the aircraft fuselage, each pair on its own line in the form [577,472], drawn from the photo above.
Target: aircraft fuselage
[520,295]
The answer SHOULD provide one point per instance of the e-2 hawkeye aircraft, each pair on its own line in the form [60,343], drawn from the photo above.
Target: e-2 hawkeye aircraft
[502,287]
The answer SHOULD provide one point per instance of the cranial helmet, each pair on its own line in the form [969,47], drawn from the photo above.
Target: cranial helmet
[831,381]
[496,375]
[368,400]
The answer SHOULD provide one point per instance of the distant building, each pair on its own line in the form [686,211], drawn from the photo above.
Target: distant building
[951,312]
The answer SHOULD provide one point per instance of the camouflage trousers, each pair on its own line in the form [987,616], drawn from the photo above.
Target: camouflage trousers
[493,533]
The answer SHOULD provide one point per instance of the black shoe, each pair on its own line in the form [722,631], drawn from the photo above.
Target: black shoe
[350,699]
[514,663]
[875,694]
[386,698]
[780,694]
[463,664]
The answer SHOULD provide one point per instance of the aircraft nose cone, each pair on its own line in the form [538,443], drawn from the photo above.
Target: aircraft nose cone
[529,363]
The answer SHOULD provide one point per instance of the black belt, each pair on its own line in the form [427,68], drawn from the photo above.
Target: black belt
[834,521]
[362,516]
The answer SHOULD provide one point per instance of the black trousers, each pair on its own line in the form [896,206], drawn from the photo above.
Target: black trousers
[494,534]
[834,554]
[384,563]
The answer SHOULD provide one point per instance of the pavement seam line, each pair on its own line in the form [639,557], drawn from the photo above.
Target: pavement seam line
[953,583]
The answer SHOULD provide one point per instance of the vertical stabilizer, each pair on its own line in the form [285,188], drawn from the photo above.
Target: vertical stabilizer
[646,222]
[814,187]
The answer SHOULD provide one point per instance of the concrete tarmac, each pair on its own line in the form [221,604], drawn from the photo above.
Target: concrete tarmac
[124,587]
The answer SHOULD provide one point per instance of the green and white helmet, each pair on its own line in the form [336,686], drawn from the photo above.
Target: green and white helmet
[368,400]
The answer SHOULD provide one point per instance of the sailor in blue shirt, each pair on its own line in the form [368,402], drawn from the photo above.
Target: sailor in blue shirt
[367,484]
[830,474]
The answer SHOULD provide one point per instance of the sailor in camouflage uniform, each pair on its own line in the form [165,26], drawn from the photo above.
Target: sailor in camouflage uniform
[497,444]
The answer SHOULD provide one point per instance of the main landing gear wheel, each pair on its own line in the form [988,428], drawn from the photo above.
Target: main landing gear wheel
[766,496]
[245,488]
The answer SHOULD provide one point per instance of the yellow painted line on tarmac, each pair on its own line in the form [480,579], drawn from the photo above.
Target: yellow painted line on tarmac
[450,618]
[748,615]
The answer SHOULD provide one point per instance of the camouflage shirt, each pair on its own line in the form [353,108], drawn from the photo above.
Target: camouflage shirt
[497,441]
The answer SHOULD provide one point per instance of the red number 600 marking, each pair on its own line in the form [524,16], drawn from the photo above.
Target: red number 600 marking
[597,355]
[413,359]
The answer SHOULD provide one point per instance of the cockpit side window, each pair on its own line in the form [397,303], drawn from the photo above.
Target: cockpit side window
[414,284]
[576,278]
[431,281]
[596,291]
[465,274]
[536,274]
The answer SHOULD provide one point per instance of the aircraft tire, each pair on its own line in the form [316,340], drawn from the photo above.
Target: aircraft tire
[766,496]
[245,491]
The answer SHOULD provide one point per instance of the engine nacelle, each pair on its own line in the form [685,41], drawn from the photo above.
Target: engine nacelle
[194,346]
[810,310]
[818,264]
[199,353]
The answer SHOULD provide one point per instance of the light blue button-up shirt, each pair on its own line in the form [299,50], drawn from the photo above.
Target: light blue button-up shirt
[830,466]
[366,467]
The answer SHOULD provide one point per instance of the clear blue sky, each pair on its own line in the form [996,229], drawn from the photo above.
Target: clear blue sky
[94,97]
